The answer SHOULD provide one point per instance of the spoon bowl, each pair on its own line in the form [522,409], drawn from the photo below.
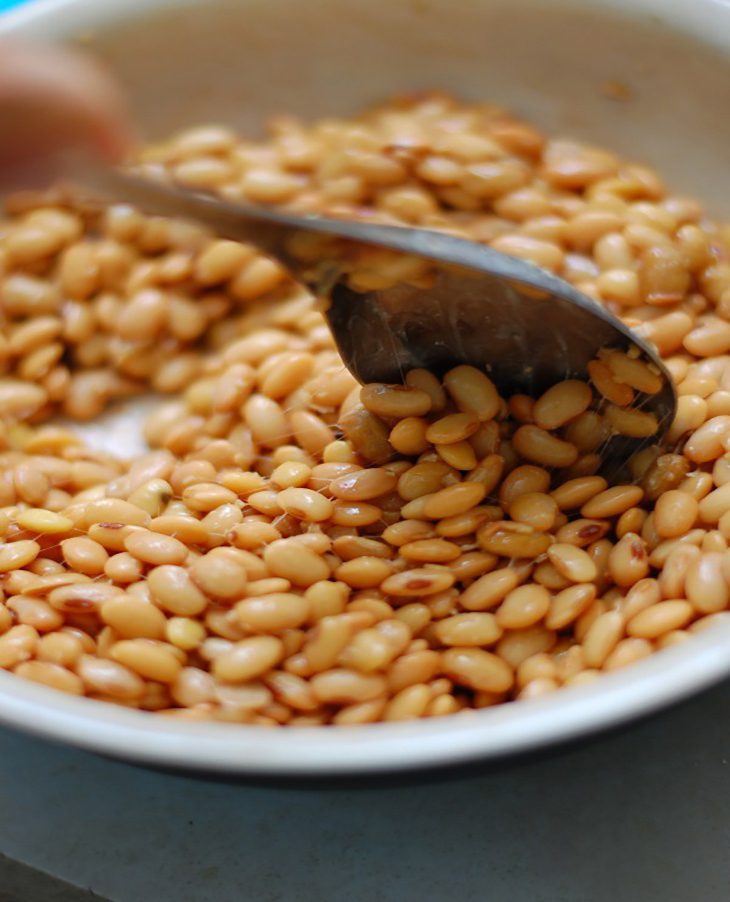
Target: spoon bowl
[524,326]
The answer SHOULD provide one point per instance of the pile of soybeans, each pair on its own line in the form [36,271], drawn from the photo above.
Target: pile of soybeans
[297,549]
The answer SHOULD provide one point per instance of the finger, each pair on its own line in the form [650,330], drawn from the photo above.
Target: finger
[54,100]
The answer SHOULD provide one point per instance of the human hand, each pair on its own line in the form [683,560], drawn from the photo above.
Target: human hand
[54,100]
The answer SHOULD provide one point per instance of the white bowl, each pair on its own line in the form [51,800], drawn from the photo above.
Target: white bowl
[237,61]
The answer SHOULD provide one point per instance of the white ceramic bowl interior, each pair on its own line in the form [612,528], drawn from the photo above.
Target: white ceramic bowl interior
[238,61]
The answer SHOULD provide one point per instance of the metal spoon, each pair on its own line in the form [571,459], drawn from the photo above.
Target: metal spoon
[526,327]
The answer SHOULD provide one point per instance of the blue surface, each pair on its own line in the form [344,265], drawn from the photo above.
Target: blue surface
[9,4]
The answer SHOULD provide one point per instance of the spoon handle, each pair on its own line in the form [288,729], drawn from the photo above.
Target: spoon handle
[268,230]
[271,230]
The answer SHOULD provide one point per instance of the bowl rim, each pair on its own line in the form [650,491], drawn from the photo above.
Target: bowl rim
[653,683]
[668,676]
[706,20]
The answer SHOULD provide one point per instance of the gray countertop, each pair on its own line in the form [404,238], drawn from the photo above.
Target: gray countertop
[639,816]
